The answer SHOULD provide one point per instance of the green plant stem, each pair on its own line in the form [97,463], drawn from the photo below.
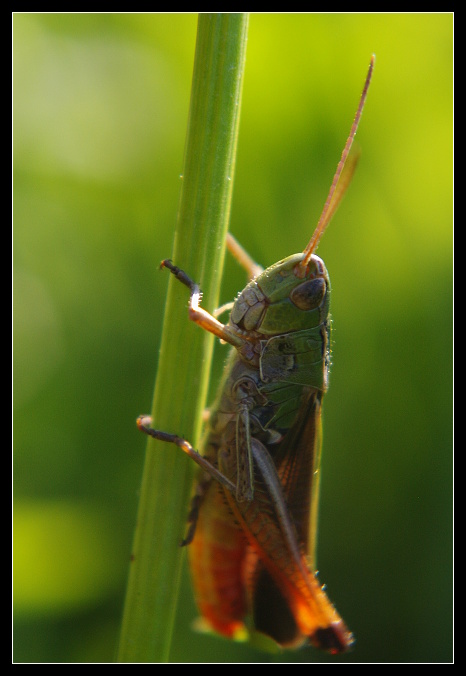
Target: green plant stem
[185,353]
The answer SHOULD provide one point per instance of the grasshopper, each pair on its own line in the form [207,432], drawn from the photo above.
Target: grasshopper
[253,519]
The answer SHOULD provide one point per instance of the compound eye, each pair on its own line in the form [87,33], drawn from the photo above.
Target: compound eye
[309,294]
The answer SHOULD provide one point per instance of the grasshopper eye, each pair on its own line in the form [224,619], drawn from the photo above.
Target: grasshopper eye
[309,294]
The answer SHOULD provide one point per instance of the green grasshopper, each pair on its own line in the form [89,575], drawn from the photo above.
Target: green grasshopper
[253,519]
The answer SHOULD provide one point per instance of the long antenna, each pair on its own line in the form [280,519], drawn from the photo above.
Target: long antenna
[335,195]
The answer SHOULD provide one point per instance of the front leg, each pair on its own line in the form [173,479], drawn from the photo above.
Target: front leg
[243,258]
[198,314]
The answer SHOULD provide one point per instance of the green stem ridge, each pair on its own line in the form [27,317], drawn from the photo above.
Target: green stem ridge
[186,351]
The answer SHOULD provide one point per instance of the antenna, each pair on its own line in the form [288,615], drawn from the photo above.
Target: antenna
[341,179]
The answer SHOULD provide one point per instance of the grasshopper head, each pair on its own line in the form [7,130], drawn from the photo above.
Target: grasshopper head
[282,299]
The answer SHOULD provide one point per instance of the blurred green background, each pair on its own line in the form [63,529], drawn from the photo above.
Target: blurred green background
[100,110]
